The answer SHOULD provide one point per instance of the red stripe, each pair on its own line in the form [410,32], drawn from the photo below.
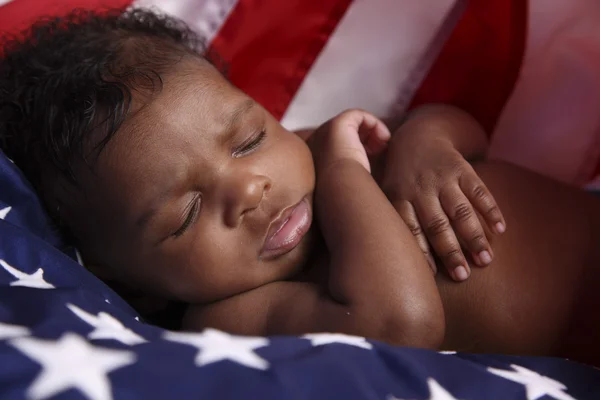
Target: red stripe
[478,68]
[19,14]
[269,46]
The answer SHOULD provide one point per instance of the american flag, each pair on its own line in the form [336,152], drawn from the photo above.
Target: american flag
[65,334]
[526,69]
[381,55]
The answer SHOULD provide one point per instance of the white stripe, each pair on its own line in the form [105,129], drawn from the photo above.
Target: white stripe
[372,59]
[204,16]
[3,2]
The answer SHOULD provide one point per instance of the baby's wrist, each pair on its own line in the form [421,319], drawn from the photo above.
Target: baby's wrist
[441,124]
[410,142]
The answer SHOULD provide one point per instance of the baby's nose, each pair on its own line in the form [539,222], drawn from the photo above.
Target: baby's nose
[244,194]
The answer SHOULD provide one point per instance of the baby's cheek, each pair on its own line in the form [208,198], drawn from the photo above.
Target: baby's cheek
[304,165]
[202,272]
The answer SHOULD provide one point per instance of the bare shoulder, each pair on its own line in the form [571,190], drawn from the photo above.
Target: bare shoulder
[276,308]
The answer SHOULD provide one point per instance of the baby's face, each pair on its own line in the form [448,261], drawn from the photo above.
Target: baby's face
[191,197]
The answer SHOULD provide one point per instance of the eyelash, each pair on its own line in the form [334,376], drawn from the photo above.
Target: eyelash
[249,146]
[191,217]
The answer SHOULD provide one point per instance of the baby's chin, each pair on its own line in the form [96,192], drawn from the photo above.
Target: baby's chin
[283,268]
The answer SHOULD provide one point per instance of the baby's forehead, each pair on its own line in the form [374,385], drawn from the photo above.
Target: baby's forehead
[195,107]
[193,95]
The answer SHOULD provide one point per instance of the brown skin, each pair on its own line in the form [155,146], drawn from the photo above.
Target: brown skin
[540,294]
[372,280]
[435,190]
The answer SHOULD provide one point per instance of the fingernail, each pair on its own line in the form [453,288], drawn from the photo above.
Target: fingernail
[500,228]
[485,257]
[460,273]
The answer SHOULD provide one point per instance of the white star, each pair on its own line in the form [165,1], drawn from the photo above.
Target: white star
[8,331]
[436,392]
[35,280]
[536,385]
[4,212]
[320,339]
[215,346]
[107,327]
[71,362]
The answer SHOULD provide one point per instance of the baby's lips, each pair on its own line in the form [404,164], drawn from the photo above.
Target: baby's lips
[290,232]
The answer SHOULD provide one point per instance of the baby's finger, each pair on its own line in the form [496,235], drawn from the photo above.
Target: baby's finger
[438,230]
[466,224]
[373,134]
[365,123]
[483,201]
[408,214]
[376,143]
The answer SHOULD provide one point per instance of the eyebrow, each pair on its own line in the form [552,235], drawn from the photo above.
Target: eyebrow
[238,114]
[233,121]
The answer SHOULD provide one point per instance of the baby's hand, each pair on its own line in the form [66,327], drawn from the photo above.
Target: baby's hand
[352,135]
[438,195]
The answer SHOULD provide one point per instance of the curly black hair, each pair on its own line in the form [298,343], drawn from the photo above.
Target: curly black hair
[69,77]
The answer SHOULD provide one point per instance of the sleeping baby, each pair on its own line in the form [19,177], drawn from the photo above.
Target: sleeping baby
[177,186]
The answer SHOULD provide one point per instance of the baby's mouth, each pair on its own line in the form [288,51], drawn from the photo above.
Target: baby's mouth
[287,230]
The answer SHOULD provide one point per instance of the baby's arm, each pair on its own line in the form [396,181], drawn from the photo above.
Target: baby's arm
[446,122]
[441,121]
[379,284]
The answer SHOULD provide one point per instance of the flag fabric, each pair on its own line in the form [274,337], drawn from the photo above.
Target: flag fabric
[306,61]
[525,69]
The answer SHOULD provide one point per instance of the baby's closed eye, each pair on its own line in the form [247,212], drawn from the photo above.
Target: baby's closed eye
[191,215]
